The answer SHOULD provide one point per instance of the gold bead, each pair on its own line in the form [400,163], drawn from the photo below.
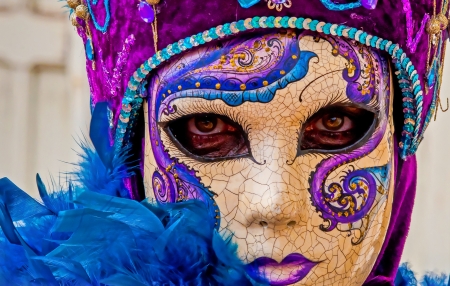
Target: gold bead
[73,3]
[73,19]
[443,20]
[433,26]
[153,2]
[82,12]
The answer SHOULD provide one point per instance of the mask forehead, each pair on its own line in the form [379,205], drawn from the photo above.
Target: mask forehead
[281,204]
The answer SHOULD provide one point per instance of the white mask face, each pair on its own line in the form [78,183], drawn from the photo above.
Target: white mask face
[289,140]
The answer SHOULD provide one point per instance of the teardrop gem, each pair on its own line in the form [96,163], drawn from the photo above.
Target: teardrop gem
[146,12]
[369,4]
[89,50]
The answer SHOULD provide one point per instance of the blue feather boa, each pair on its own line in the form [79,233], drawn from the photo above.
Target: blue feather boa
[88,235]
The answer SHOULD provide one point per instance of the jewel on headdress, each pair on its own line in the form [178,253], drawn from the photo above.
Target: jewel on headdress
[278,4]
[369,4]
[147,11]
[247,3]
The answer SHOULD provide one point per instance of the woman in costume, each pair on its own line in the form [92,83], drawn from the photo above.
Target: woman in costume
[238,143]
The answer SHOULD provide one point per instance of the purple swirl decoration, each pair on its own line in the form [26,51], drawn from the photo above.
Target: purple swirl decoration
[340,203]
[351,201]
[162,188]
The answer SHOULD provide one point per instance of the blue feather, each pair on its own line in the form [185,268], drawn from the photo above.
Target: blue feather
[406,277]
[99,133]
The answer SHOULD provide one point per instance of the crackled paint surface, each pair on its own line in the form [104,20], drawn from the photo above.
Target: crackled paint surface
[299,218]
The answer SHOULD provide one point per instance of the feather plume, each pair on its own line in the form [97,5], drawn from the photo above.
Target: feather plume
[88,235]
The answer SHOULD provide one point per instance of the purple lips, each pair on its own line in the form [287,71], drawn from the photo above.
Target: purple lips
[292,269]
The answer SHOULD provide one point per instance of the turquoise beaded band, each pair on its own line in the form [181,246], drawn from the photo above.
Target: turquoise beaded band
[407,75]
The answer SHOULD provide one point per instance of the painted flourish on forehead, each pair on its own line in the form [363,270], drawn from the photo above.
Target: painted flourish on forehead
[250,70]
[253,69]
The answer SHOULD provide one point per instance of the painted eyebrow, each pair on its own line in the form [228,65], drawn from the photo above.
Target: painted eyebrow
[204,106]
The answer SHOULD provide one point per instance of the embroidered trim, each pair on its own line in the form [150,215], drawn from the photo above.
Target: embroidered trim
[99,27]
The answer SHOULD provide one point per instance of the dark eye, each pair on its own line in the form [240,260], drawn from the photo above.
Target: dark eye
[336,127]
[210,136]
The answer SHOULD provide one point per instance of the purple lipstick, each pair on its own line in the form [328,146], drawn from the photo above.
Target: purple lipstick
[290,270]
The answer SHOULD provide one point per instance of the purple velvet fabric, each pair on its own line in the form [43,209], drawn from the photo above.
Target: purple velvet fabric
[388,261]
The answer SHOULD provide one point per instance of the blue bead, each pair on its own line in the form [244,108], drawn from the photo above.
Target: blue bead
[411,69]
[352,33]
[226,29]
[405,62]
[383,44]
[415,78]
[213,34]
[326,28]
[408,128]
[407,104]
[155,60]
[146,66]
[89,50]
[339,30]
[255,22]
[240,25]
[187,43]
[403,85]
[269,22]
[299,23]
[140,74]
[362,38]
[391,49]
[285,22]
[399,53]
[313,25]
[164,54]
[373,41]
[199,38]
[417,89]
[176,48]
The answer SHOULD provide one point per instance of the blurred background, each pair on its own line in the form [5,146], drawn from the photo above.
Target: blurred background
[44,101]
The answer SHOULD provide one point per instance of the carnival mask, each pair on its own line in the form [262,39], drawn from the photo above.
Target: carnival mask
[288,139]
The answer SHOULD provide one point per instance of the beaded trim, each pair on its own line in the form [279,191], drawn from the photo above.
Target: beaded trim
[99,27]
[330,5]
[407,75]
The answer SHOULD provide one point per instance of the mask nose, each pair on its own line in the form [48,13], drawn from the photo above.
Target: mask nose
[275,193]
[275,202]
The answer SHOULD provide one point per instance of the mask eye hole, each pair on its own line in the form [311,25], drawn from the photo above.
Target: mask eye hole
[208,136]
[335,128]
